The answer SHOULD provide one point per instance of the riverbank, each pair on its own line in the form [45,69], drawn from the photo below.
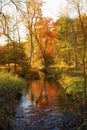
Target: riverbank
[10,93]
[72,82]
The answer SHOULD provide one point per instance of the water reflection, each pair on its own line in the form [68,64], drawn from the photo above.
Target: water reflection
[40,108]
[43,93]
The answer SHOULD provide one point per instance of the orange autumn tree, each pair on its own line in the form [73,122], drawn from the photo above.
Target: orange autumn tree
[45,37]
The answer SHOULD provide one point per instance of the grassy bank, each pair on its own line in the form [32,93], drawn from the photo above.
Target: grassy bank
[10,92]
[72,82]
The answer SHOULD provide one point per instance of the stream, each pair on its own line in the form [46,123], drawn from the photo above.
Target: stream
[44,106]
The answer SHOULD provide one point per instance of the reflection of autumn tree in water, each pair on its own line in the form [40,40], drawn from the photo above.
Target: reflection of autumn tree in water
[43,97]
[42,94]
[34,90]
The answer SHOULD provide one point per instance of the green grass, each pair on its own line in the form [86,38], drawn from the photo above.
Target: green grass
[73,83]
[10,92]
[74,89]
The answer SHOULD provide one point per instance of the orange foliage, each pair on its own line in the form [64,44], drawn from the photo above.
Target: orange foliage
[46,34]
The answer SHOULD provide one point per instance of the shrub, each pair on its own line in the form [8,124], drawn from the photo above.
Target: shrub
[53,74]
[10,91]
[74,89]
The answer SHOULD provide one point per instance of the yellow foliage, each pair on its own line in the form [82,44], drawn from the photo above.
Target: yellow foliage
[65,80]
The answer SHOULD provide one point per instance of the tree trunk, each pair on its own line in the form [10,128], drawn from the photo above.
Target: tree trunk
[84,53]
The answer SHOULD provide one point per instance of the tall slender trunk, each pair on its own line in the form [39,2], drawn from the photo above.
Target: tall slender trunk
[31,49]
[84,75]
[84,53]
[75,54]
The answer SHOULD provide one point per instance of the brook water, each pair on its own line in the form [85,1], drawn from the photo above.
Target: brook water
[43,106]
